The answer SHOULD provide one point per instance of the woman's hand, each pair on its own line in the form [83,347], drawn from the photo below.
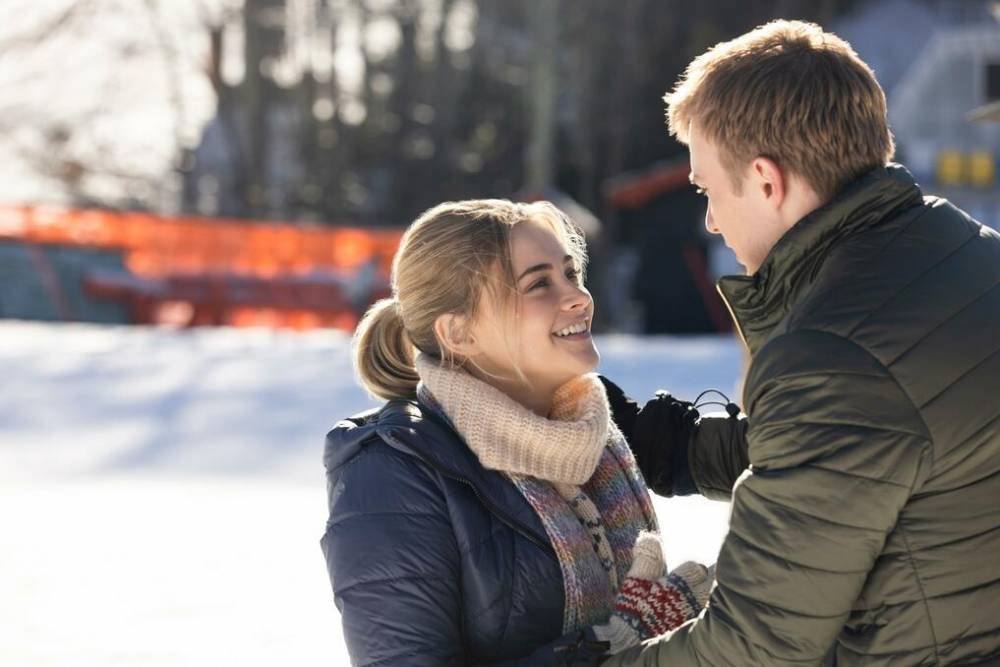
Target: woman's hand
[652,601]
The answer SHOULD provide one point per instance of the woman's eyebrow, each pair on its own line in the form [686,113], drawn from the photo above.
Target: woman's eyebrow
[533,269]
[545,266]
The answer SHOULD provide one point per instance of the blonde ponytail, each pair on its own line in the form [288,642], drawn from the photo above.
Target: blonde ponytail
[383,353]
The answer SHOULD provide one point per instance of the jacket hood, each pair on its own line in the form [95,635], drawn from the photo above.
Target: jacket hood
[406,426]
[422,431]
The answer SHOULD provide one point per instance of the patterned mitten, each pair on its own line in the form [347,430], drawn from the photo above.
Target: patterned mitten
[649,603]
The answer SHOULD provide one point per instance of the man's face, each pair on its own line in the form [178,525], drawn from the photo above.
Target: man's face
[744,219]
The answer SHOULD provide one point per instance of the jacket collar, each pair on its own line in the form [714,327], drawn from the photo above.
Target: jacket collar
[761,301]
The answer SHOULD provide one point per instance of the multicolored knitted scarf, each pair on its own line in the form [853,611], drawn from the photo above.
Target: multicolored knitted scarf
[575,470]
[621,498]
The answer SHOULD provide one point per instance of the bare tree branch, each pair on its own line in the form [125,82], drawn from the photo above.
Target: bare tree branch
[52,27]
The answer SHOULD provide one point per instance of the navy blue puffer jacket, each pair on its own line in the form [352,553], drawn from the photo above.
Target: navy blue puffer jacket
[435,560]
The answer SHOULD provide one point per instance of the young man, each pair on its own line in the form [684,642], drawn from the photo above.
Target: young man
[866,529]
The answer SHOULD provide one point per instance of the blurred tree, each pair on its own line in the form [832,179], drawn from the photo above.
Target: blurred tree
[370,110]
[96,101]
[543,95]
[263,47]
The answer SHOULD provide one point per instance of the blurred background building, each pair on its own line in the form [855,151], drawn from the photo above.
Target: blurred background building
[252,162]
[939,63]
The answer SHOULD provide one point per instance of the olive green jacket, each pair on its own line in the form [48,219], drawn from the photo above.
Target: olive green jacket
[867,529]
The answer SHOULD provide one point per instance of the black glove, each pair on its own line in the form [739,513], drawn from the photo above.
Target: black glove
[623,408]
[661,433]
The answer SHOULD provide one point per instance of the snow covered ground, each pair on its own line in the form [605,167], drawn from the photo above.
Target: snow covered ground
[162,495]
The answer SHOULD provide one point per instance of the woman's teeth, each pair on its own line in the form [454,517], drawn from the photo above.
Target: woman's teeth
[579,327]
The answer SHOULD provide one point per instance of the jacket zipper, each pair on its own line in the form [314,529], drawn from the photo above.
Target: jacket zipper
[506,520]
[510,523]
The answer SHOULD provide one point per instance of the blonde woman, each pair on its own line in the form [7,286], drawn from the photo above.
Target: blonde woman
[489,512]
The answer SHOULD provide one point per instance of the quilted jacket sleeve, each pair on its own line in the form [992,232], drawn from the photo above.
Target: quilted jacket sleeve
[393,562]
[836,448]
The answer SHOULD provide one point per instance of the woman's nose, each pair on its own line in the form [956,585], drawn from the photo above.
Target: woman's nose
[577,298]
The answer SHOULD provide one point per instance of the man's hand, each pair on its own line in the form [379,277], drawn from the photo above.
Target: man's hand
[658,435]
[661,433]
[623,409]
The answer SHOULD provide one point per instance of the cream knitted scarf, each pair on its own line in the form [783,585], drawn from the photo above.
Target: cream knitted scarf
[507,436]
[574,469]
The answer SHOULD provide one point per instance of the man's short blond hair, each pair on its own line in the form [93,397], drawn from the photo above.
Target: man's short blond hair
[790,92]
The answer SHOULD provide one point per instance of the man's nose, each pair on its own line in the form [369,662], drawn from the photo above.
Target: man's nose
[710,222]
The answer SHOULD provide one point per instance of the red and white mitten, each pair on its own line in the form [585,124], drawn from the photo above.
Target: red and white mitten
[652,602]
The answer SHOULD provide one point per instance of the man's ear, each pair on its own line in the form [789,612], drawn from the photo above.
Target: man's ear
[771,180]
[453,332]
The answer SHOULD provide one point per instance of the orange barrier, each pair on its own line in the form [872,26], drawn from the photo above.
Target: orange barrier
[220,300]
[190,271]
[158,245]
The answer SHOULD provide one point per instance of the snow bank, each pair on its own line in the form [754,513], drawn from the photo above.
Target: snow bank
[162,494]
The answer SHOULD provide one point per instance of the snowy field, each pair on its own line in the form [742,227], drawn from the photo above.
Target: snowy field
[162,493]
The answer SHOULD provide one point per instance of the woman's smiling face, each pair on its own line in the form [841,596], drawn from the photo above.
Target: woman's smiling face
[547,336]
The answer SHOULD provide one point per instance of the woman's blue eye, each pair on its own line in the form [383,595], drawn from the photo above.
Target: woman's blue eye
[540,283]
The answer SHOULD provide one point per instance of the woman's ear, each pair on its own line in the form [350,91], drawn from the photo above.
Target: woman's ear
[453,333]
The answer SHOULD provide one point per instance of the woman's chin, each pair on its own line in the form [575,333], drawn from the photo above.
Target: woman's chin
[585,365]
[591,361]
